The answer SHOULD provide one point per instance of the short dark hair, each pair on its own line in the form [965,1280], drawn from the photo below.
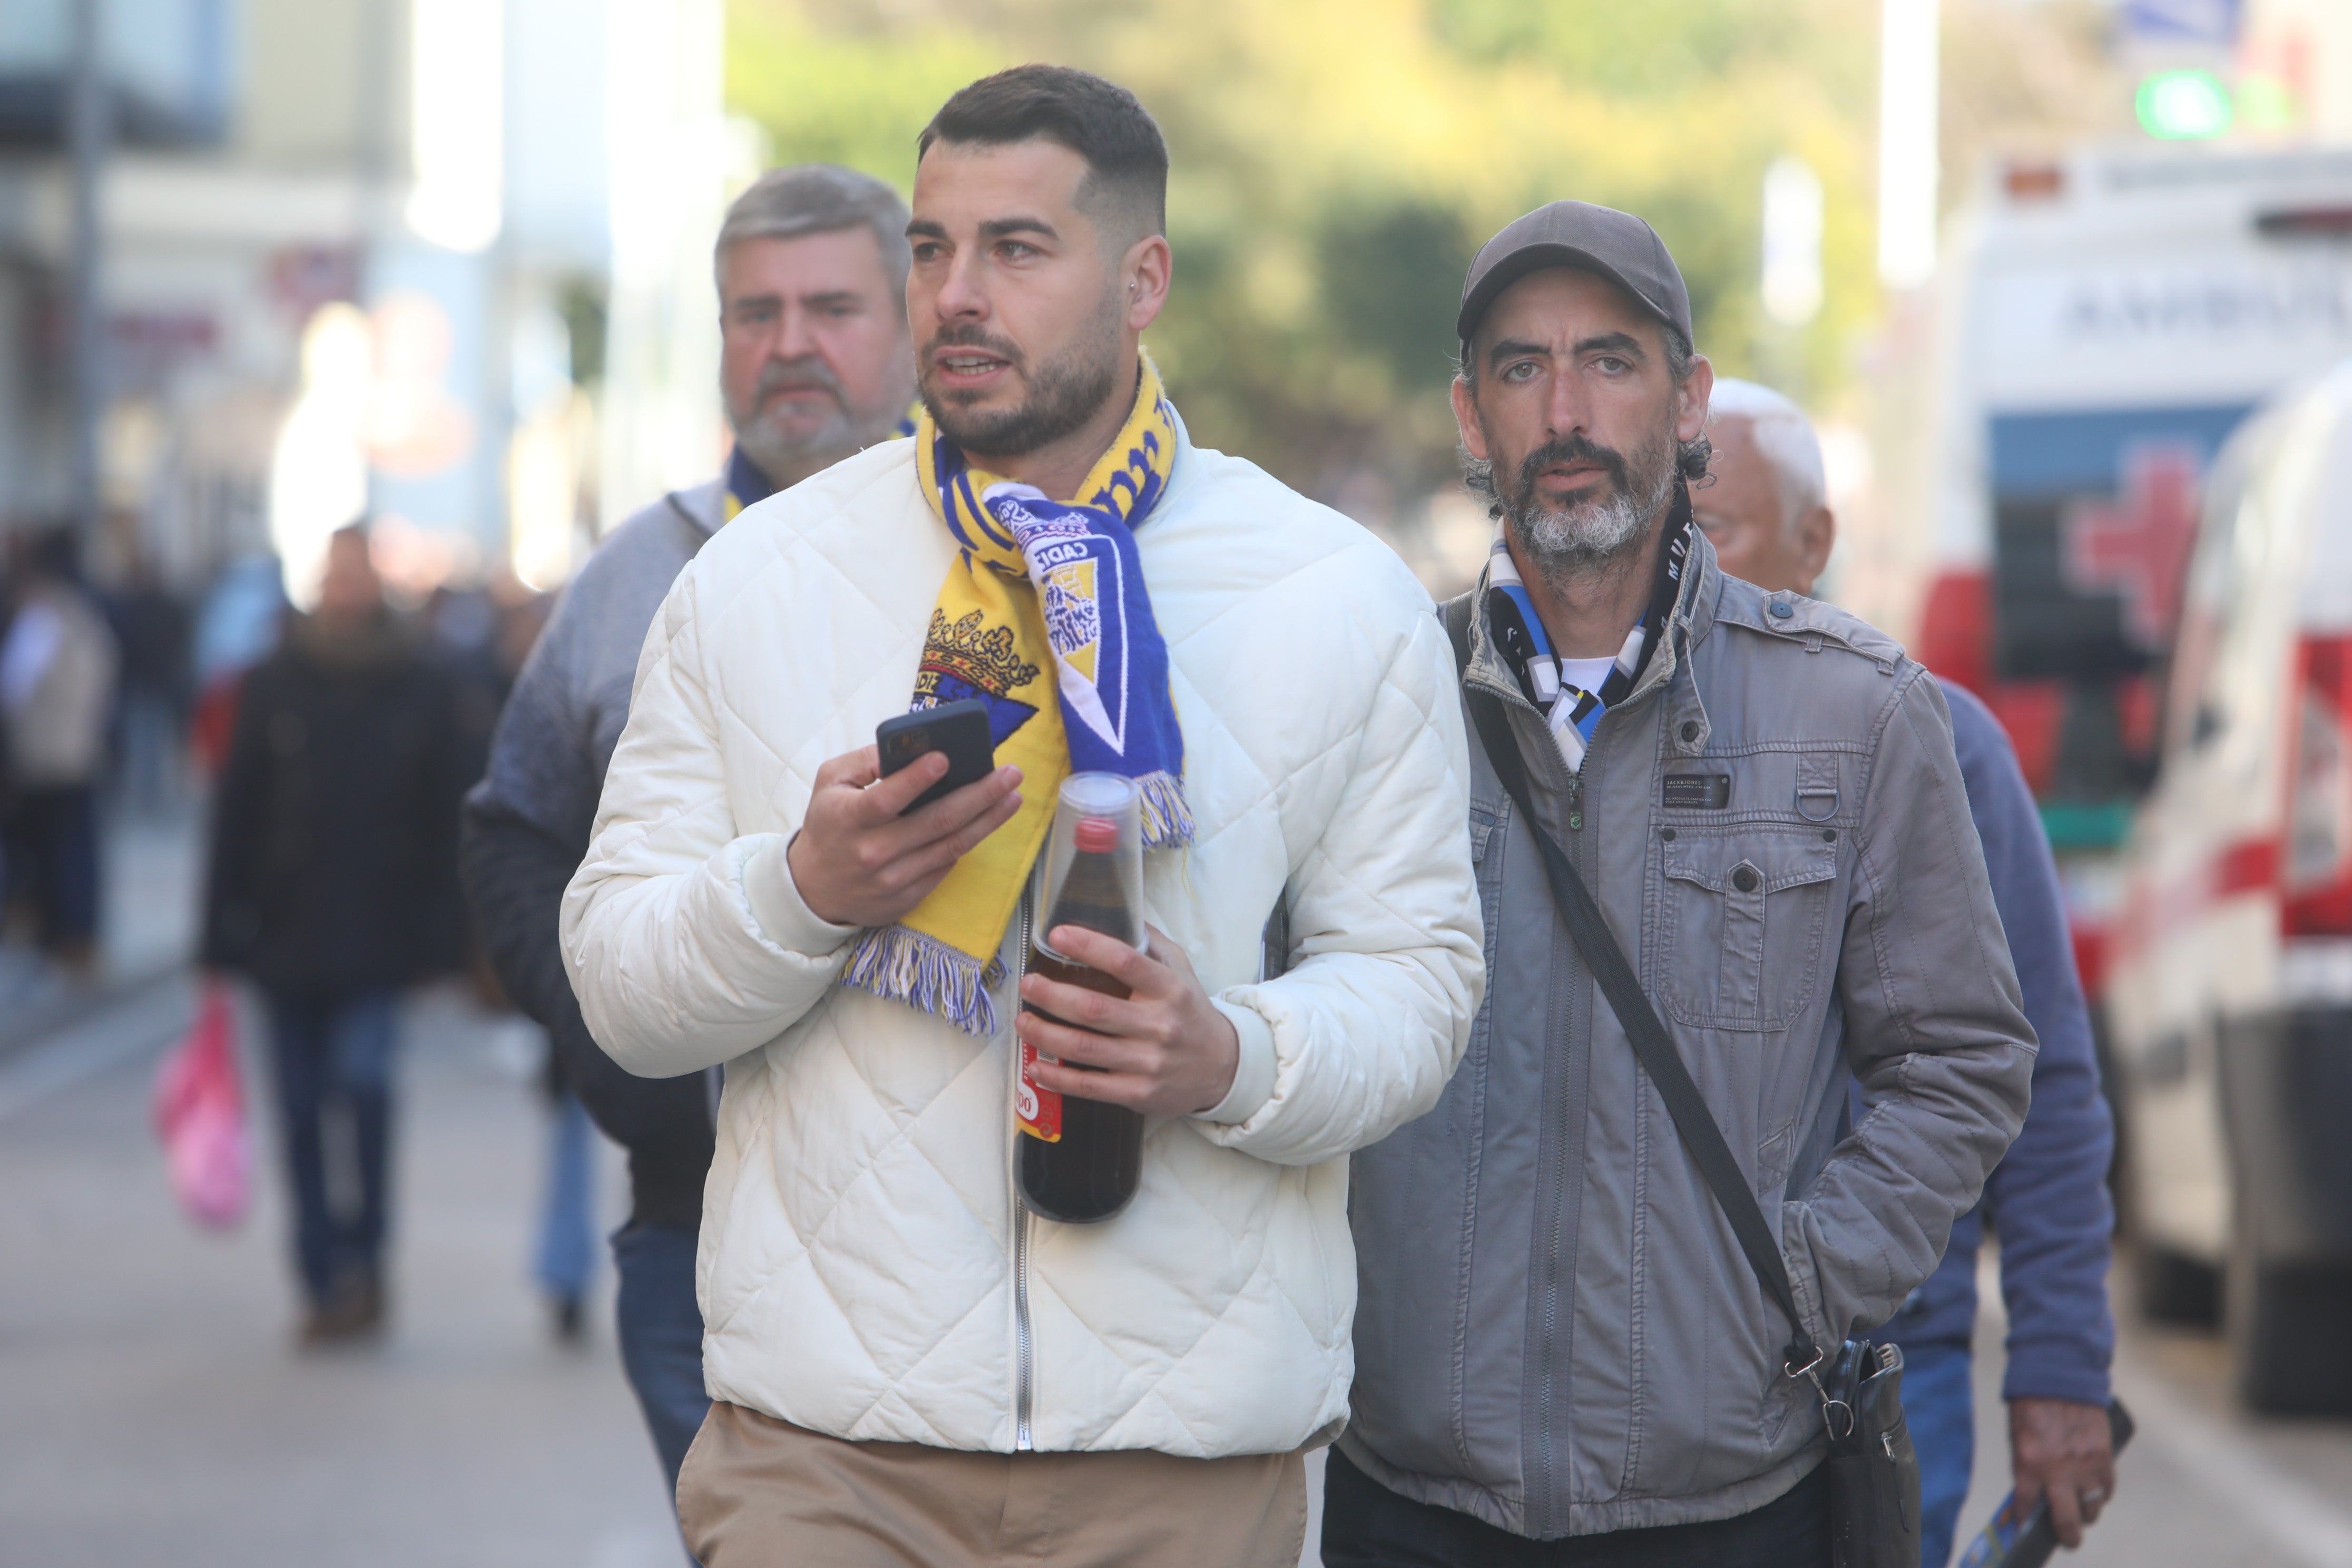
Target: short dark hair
[1101,121]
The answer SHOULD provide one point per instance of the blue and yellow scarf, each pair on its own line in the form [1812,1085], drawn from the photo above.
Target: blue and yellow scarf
[1044,617]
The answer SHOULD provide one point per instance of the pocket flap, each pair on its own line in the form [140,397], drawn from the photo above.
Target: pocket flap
[1773,860]
[1483,829]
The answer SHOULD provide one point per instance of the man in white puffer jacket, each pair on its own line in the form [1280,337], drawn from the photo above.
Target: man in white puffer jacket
[905,1366]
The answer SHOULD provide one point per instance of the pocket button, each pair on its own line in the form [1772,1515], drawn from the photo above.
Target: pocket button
[1743,877]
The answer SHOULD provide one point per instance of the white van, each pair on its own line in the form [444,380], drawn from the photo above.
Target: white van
[2111,318]
[2229,990]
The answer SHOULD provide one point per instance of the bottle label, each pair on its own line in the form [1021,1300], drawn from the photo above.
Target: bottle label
[1038,1112]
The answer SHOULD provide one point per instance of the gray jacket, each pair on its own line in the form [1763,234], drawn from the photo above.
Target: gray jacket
[527,826]
[1557,1331]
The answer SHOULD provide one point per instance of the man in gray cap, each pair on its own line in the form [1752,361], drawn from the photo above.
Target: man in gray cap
[1564,1351]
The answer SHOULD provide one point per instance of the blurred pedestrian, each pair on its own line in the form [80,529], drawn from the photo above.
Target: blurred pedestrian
[811,265]
[908,1364]
[333,888]
[155,631]
[1761,797]
[485,636]
[58,668]
[563,1254]
[1767,514]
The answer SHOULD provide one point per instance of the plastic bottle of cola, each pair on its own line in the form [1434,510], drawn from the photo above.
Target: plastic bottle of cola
[1079,1160]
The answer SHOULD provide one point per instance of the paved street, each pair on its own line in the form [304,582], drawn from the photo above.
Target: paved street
[151,1410]
[2201,1484]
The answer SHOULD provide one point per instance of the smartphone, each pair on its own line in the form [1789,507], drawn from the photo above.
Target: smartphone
[958,729]
[2028,1543]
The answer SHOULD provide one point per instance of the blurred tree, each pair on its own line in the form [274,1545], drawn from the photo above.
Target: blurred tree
[1336,163]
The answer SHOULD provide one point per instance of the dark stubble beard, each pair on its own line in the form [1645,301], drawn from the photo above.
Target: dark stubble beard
[1597,534]
[1064,392]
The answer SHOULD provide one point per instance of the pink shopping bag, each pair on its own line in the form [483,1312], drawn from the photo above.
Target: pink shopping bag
[200,1117]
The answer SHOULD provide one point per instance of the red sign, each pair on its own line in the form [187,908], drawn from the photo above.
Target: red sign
[2137,545]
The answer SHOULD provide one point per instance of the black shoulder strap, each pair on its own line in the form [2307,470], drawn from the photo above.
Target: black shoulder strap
[1456,614]
[1652,1044]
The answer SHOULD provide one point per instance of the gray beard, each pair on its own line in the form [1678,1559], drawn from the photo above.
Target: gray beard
[1590,537]
[784,459]
[779,457]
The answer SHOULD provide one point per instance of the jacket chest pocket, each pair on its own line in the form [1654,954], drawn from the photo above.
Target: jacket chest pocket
[1742,913]
[1487,830]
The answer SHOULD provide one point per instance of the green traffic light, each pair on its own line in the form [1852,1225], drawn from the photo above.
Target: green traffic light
[2183,105]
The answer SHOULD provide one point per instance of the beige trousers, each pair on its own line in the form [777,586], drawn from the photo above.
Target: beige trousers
[757,1492]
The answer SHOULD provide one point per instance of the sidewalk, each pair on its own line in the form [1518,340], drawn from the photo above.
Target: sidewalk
[152,871]
[156,1413]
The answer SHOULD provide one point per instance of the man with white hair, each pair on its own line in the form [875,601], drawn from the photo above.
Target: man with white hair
[1767,512]
[1767,515]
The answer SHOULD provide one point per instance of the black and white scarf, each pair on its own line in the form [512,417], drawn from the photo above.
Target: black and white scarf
[1573,711]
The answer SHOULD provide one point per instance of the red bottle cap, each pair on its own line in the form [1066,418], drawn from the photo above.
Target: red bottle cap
[1097,835]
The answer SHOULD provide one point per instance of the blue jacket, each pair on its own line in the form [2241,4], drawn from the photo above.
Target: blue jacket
[2047,1199]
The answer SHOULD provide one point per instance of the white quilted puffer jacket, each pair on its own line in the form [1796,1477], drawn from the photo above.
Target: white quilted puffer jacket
[865,1269]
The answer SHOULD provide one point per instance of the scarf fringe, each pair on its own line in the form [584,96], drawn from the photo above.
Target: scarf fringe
[898,963]
[1167,819]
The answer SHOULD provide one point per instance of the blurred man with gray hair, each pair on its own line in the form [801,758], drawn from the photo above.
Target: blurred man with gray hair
[1767,515]
[815,363]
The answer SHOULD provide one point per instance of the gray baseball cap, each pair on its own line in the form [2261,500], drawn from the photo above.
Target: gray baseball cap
[1618,246]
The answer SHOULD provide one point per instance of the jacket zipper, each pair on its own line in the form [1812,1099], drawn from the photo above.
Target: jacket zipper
[1543,1503]
[1024,1384]
[1544,1507]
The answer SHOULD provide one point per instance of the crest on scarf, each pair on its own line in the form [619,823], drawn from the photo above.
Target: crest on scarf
[1075,568]
[968,658]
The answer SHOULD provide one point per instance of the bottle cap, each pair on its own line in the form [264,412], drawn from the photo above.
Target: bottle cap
[1096,835]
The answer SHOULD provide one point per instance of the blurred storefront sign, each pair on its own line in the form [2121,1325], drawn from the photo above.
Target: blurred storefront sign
[146,347]
[2246,69]
[2295,69]
[304,277]
[2185,104]
[2213,23]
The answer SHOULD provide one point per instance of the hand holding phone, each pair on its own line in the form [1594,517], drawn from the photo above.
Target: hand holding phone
[958,729]
[877,840]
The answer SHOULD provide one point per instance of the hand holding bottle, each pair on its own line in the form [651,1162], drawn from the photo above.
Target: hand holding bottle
[1163,1050]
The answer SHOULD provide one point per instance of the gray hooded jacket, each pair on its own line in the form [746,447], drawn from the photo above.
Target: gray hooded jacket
[1557,1331]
